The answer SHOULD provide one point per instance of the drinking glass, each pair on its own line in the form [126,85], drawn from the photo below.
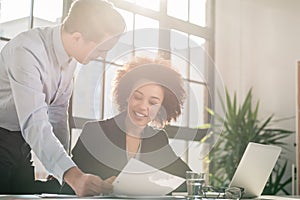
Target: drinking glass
[195,183]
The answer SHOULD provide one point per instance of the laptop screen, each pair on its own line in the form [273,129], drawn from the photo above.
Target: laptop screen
[255,167]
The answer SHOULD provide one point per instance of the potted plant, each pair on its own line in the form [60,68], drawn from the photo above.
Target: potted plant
[239,127]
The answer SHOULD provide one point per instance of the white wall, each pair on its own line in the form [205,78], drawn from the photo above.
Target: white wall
[258,45]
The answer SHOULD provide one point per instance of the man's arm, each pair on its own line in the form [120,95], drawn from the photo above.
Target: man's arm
[27,88]
[83,184]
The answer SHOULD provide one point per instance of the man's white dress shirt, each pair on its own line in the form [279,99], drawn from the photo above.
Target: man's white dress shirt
[35,87]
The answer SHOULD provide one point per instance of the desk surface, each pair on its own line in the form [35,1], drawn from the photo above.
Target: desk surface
[54,197]
[69,197]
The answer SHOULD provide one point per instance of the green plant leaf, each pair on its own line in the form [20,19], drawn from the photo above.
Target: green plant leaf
[240,126]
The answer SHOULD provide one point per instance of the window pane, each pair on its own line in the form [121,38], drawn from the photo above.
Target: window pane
[197,57]
[196,156]
[88,91]
[47,12]
[110,110]
[196,41]
[145,22]
[131,1]
[182,119]
[125,43]
[198,12]
[196,104]
[149,52]
[123,46]
[179,51]
[14,19]
[178,9]
[14,9]
[151,4]
[146,32]
[128,17]
[179,63]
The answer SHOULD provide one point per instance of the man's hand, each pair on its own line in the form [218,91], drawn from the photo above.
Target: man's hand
[86,184]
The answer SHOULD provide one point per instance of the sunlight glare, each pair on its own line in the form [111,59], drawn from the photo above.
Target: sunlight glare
[198,12]
[50,10]
[151,4]
[178,9]
[9,10]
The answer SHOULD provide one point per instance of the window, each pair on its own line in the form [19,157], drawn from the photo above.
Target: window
[179,30]
[17,16]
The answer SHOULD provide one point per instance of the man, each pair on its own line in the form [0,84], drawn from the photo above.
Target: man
[36,70]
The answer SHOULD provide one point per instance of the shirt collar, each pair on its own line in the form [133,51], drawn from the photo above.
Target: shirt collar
[61,54]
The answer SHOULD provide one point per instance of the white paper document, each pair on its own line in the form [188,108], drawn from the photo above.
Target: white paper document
[48,195]
[140,179]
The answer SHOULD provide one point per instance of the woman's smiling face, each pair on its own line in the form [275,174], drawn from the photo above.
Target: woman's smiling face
[144,104]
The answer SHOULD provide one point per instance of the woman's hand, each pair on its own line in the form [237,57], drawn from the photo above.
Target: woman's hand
[110,180]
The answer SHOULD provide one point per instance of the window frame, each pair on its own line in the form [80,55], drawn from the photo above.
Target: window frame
[168,22]
[165,22]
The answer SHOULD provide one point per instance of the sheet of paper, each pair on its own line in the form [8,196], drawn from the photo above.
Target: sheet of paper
[273,197]
[140,179]
[47,195]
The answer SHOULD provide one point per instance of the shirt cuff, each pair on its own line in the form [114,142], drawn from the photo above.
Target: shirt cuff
[61,167]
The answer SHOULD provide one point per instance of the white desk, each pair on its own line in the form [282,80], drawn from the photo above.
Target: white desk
[60,197]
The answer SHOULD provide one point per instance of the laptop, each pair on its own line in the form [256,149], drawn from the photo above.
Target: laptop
[254,169]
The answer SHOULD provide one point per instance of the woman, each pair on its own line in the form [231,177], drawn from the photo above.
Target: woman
[149,94]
